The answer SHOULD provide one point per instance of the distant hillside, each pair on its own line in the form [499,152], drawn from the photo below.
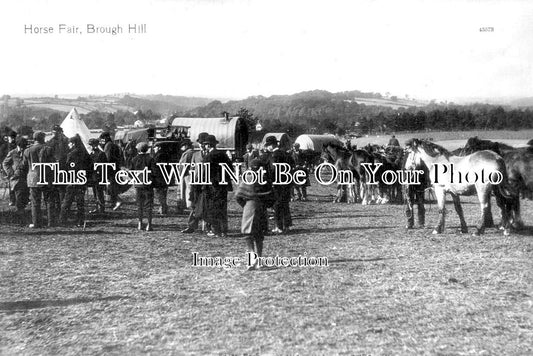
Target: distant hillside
[523,102]
[184,102]
[157,103]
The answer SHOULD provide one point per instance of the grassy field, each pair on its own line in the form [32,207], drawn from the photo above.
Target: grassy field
[387,291]
[452,139]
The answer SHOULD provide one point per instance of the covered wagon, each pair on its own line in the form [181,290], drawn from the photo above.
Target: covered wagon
[316,142]
[231,132]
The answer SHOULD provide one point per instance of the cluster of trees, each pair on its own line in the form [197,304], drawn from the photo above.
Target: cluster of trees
[321,111]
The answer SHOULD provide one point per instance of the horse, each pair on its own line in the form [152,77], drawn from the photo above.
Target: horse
[342,159]
[476,164]
[519,164]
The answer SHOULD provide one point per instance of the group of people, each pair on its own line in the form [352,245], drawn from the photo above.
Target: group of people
[207,202]
[31,182]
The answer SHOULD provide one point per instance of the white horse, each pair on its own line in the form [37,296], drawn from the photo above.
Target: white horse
[478,173]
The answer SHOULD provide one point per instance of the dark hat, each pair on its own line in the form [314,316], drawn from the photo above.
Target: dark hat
[202,136]
[105,135]
[296,144]
[271,141]
[210,139]
[93,142]
[186,142]
[22,142]
[13,134]
[39,136]
[142,147]
[57,128]
[256,164]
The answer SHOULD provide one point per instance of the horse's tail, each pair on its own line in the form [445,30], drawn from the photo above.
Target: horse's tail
[506,195]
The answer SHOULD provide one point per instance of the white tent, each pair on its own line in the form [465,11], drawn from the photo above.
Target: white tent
[73,125]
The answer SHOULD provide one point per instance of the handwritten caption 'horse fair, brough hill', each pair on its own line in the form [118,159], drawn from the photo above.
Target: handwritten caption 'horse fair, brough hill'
[283,174]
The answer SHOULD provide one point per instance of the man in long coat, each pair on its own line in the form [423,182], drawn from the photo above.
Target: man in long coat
[97,156]
[113,155]
[39,180]
[78,160]
[195,157]
[282,192]
[17,184]
[216,193]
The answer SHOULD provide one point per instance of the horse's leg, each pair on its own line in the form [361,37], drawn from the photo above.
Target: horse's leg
[460,213]
[489,220]
[421,208]
[338,196]
[483,194]
[409,210]
[515,211]
[441,200]
[505,206]
[350,198]
[364,193]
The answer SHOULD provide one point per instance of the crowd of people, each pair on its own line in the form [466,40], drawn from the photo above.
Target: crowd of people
[208,203]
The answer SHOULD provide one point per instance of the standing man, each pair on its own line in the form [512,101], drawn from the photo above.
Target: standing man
[300,164]
[97,156]
[196,157]
[77,160]
[394,141]
[249,156]
[59,145]
[18,187]
[39,180]
[158,182]
[184,199]
[216,194]
[144,191]
[282,192]
[113,155]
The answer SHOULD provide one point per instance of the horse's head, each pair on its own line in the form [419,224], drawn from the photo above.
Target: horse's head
[326,155]
[429,148]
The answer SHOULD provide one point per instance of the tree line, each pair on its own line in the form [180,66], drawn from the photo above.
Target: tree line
[307,112]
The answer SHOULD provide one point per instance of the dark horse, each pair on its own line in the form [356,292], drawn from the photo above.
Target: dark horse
[342,159]
[519,165]
[413,194]
[479,164]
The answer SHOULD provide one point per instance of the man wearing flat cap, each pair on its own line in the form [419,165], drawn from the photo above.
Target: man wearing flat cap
[144,192]
[113,155]
[97,156]
[216,193]
[282,192]
[39,181]
[193,157]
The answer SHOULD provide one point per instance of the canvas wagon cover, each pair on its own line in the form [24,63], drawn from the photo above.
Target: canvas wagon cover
[316,142]
[232,134]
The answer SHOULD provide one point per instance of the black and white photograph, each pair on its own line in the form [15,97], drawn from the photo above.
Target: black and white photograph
[247,177]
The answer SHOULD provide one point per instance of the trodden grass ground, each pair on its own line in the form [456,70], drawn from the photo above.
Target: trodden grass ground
[387,291]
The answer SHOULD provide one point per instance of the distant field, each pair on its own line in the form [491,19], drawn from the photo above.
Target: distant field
[400,103]
[453,139]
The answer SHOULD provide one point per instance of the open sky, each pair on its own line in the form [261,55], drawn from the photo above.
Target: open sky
[239,48]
